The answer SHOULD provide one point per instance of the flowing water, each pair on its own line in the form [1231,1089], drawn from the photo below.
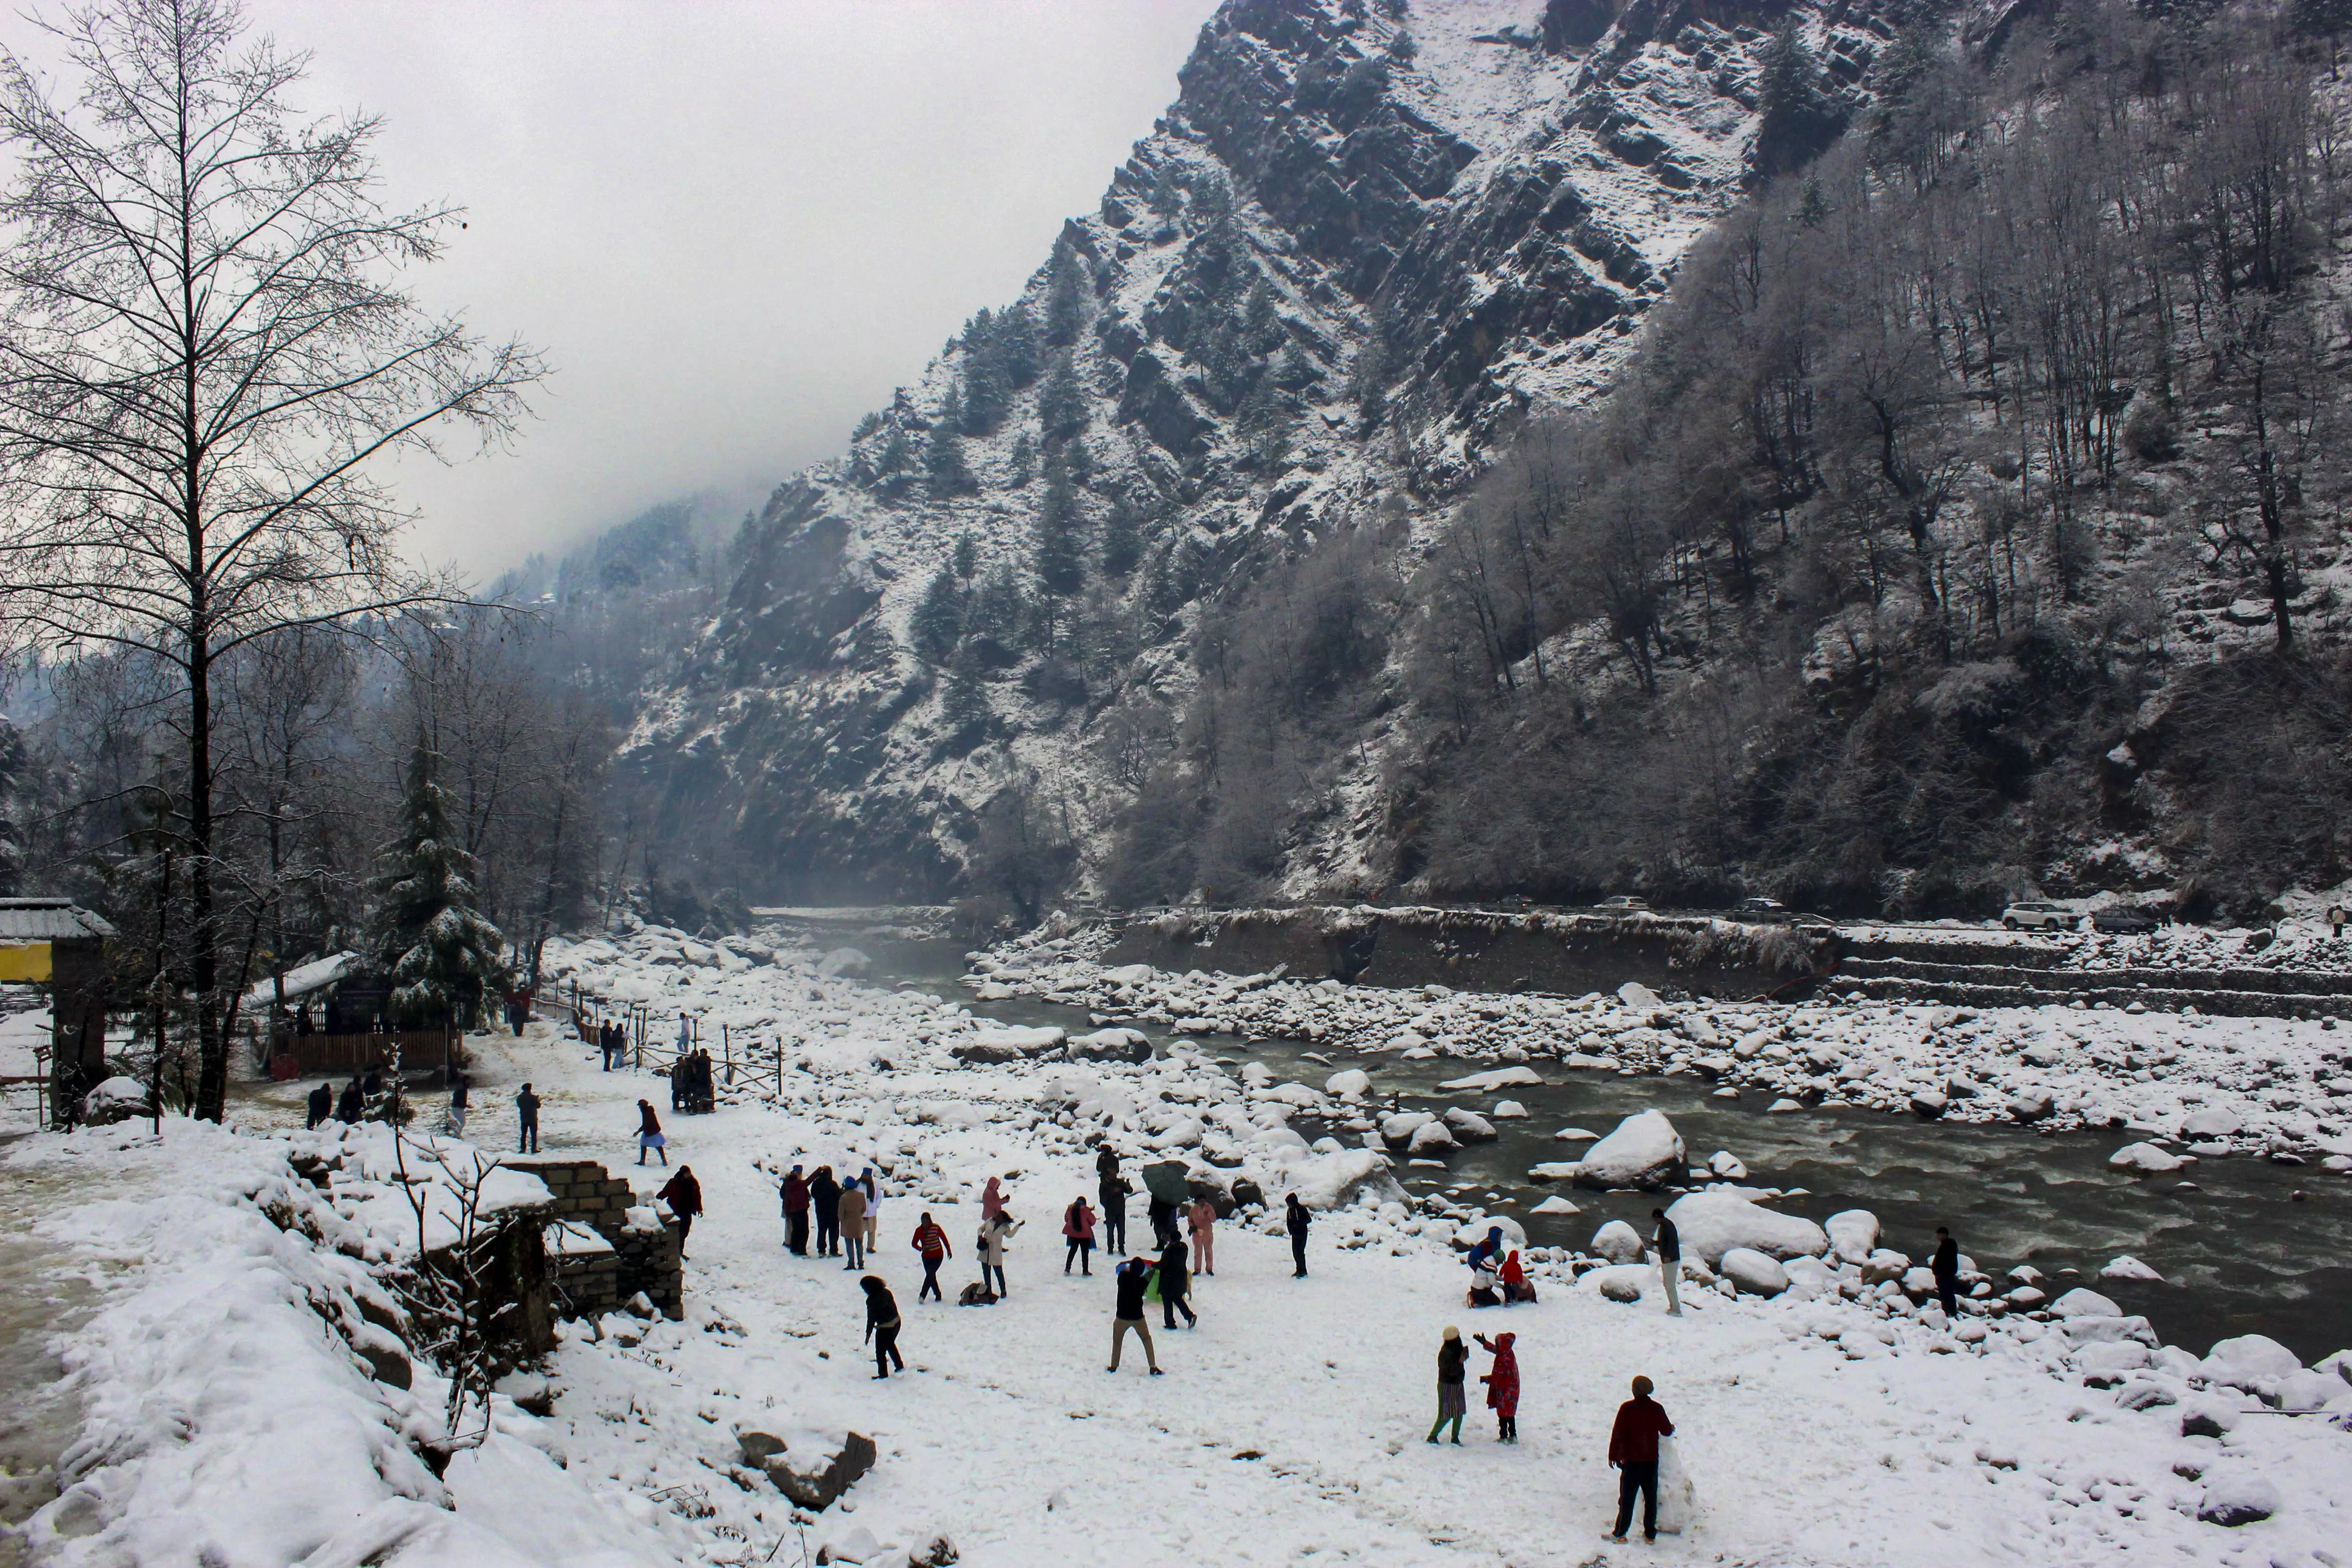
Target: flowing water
[38,1302]
[2254,1248]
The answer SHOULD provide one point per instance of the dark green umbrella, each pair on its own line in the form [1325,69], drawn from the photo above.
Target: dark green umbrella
[1166,1182]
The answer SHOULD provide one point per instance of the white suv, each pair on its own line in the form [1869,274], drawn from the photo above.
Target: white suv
[2038,915]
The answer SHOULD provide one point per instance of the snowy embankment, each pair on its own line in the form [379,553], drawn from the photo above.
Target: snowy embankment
[1837,1420]
[2272,1086]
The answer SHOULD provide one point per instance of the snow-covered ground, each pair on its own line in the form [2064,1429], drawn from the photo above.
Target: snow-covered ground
[1838,1422]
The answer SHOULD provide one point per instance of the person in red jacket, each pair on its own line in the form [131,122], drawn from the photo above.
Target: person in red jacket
[933,1242]
[1633,1450]
[1503,1384]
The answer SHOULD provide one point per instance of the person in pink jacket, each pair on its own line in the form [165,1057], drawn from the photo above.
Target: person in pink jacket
[1078,1230]
[1202,1217]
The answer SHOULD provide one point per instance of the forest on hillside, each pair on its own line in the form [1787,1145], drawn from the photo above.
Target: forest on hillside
[1967,524]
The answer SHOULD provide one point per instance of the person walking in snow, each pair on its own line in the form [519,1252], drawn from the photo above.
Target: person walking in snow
[1203,1220]
[1295,1219]
[793,1190]
[527,1120]
[1128,1281]
[1113,1194]
[1502,1380]
[1946,1267]
[824,1202]
[683,1193]
[852,1214]
[931,1242]
[1175,1285]
[882,1325]
[321,1105]
[649,1133]
[457,1087]
[1633,1450]
[1669,1244]
[1078,1230]
[993,1235]
[1452,1405]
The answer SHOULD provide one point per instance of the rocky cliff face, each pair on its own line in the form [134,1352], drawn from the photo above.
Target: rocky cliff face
[1365,241]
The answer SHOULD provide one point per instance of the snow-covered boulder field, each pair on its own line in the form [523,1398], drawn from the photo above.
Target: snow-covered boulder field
[1287,1427]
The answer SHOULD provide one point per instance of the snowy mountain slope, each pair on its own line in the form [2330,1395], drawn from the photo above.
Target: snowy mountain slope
[1362,242]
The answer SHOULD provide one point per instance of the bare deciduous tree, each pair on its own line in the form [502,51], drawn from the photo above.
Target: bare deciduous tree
[203,344]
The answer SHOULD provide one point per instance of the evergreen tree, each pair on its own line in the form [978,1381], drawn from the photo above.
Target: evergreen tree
[966,557]
[1801,119]
[1122,538]
[1265,425]
[987,384]
[894,462]
[943,465]
[1000,613]
[1060,402]
[441,956]
[1061,560]
[1024,459]
[938,620]
[964,709]
[1016,334]
[1066,299]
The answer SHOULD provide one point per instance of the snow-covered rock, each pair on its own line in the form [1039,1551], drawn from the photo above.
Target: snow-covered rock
[1853,1233]
[2212,1122]
[1507,1111]
[1398,1127]
[1618,1242]
[2144,1159]
[1644,1151]
[2128,1267]
[1554,1205]
[2250,1359]
[1713,1223]
[1622,1283]
[1433,1138]
[1469,1127]
[1752,1272]
[2237,1495]
[1349,1083]
[2080,1303]
[1487,1082]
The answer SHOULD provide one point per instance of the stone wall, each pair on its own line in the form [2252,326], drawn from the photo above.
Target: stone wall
[597,1261]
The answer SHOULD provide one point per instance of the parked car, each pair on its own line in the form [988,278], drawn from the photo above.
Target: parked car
[1623,902]
[1761,909]
[2122,920]
[2039,915]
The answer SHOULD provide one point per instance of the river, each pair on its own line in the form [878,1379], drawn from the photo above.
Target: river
[2255,1247]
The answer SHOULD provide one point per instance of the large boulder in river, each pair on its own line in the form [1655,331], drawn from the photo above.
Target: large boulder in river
[1398,1126]
[1469,1127]
[1349,1083]
[1713,1223]
[1644,1152]
[1433,1138]
[2145,1160]
[1010,1044]
[1112,1045]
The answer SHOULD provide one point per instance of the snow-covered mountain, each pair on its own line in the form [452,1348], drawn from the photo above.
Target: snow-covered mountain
[1367,239]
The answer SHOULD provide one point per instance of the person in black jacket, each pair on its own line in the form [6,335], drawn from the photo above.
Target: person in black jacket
[1946,1267]
[1175,1284]
[322,1103]
[1452,1404]
[351,1104]
[1128,1281]
[882,1325]
[824,1201]
[1669,1244]
[1296,1219]
[683,1193]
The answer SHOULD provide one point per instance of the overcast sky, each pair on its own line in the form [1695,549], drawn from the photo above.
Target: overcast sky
[734,227]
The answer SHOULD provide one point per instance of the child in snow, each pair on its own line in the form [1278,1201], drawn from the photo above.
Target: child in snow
[1203,1218]
[1078,1230]
[1502,1380]
[649,1133]
[931,1242]
[1452,1405]
[1633,1450]
[1513,1276]
[882,1325]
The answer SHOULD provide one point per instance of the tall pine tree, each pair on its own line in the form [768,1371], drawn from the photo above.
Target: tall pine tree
[427,938]
[943,465]
[1061,559]
[938,622]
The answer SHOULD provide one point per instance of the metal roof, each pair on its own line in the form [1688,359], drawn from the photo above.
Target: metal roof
[49,919]
[303,979]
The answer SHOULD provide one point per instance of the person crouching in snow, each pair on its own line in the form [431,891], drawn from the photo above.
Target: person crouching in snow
[1513,1278]
[1502,1380]
[1451,1403]
[1633,1450]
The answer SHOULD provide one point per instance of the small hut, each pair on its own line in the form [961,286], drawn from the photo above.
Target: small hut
[58,943]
